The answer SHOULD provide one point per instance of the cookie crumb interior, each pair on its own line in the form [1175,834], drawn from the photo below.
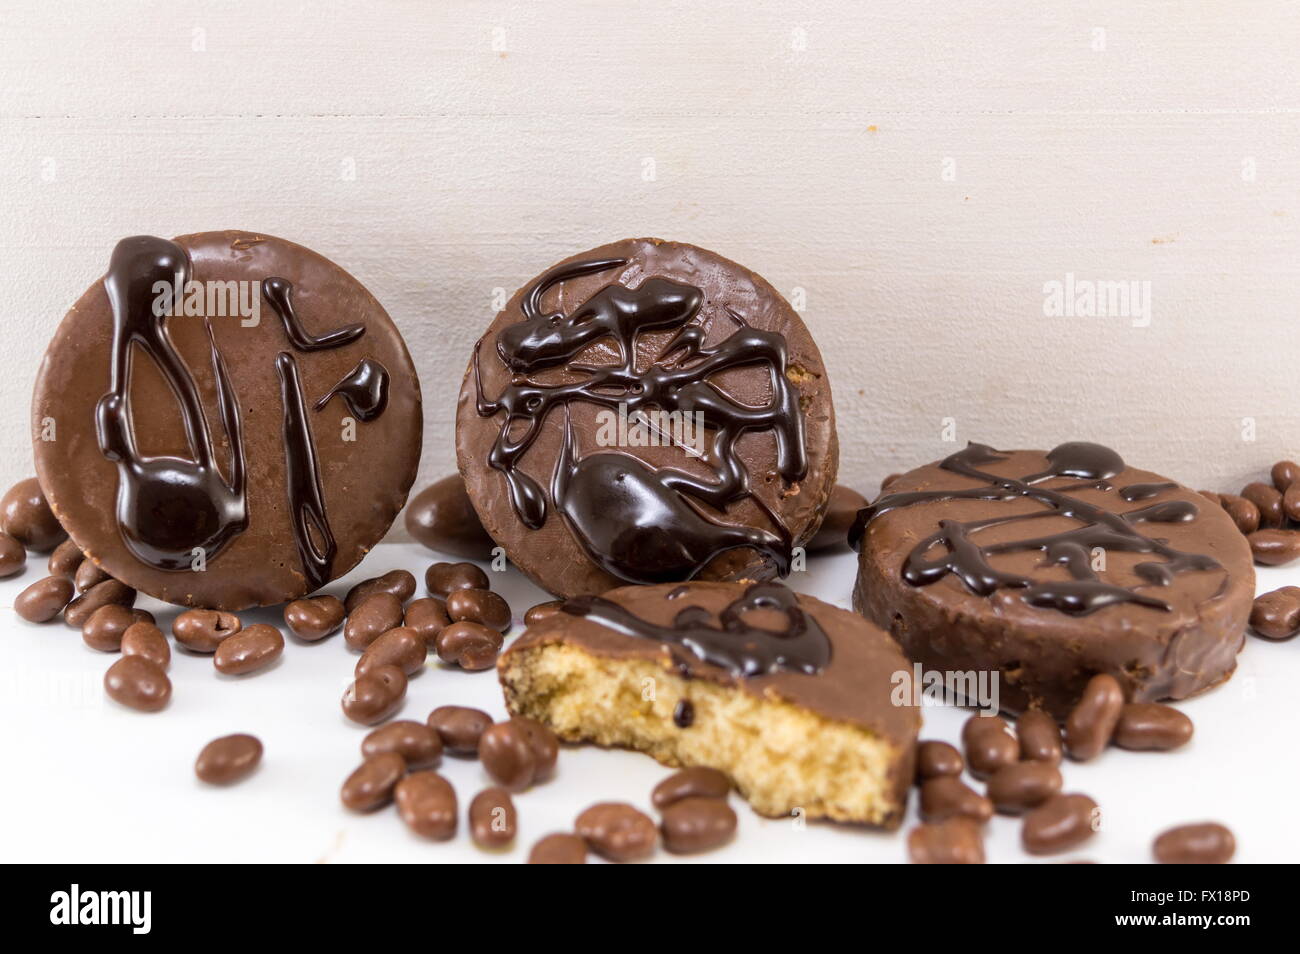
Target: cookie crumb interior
[781,757]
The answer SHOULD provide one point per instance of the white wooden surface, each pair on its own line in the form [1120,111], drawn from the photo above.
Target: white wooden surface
[911,173]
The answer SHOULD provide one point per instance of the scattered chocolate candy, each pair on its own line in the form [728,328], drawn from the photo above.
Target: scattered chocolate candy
[695,824]
[147,640]
[373,616]
[617,831]
[314,617]
[101,594]
[252,648]
[1014,789]
[399,583]
[492,818]
[442,579]
[955,841]
[545,746]
[479,606]
[459,727]
[841,510]
[400,647]
[1243,513]
[108,624]
[947,796]
[442,518]
[1274,547]
[26,516]
[507,755]
[372,784]
[427,616]
[1276,614]
[43,600]
[989,744]
[228,759]
[1152,727]
[1092,721]
[418,745]
[1040,737]
[1208,843]
[13,557]
[202,630]
[427,803]
[470,646]
[1268,500]
[559,848]
[65,560]
[1284,474]
[695,782]
[1059,824]
[375,696]
[1291,503]
[88,575]
[137,683]
[934,759]
[542,611]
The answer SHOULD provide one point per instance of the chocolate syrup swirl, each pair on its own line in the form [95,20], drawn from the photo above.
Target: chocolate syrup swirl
[1099,528]
[166,506]
[302,479]
[279,294]
[636,522]
[364,390]
[740,648]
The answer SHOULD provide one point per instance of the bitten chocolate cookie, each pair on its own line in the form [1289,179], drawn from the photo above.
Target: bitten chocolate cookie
[647,412]
[1053,567]
[226,419]
[787,695]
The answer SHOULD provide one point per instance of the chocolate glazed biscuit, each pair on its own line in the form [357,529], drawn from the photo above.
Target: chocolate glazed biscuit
[227,419]
[581,497]
[1051,568]
[791,698]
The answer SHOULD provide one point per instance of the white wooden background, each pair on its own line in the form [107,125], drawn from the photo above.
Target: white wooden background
[911,173]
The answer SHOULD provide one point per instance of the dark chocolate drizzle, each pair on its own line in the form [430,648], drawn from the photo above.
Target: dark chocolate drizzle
[736,646]
[364,390]
[302,479]
[166,506]
[1135,492]
[636,522]
[1086,592]
[279,294]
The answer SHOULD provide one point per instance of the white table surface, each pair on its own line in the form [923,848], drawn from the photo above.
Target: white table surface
[90,781]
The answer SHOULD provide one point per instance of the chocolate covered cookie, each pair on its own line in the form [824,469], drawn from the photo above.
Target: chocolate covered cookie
[787,695]
[226,419]
[647,412]
[1053,567]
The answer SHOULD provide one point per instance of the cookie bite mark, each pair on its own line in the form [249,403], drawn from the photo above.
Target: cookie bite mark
[789,696]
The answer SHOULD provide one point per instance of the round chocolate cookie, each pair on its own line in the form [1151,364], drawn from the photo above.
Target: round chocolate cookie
[1052,567]
[798,702]
[647,412]
[226,419]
